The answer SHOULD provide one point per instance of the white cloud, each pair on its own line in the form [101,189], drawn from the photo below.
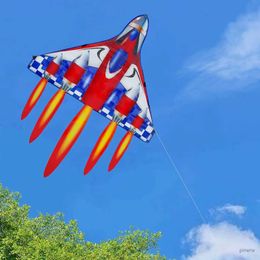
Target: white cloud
[222,241]
[233,64]
[234,209]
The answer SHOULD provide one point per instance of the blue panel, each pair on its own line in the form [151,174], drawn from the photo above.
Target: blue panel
[87,78]
[38,73]
[51,81]
[134,112]
[145,134]
[118,60]
[133,35]
[63,67]
[143,126]
[35,64]
[46,62]
[115,97]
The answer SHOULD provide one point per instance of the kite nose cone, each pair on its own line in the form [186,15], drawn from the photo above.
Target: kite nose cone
[142,18]
[141,22]
[145,18]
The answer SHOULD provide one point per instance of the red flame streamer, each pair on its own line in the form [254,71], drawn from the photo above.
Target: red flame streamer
[47,114]
[34,97]
[120,150]
[101,145]
[67,140]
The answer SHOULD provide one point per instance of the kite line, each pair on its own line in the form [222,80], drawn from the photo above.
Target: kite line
[195,204]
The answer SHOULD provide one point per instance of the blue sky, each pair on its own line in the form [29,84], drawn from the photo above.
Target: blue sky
[200,61]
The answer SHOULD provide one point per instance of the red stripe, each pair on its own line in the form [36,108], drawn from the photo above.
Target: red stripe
[74,73]
[125,105]
[52,68]
[137,122]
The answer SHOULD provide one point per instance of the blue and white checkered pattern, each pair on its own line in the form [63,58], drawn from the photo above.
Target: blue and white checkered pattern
[38,66]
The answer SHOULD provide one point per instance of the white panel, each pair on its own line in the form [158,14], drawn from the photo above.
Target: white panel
[96,55]
[130,82]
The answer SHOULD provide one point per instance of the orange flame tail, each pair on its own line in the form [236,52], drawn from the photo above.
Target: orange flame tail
[120,150]
[47,114]
[101,145]
[67,139]
[34,97]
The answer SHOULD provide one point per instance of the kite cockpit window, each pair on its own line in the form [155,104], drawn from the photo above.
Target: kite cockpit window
[136,31]
[132,34]
[118,60]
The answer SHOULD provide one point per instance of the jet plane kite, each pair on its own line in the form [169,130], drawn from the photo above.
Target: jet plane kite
[106,77]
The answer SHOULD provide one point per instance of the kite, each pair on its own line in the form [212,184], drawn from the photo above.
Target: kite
[106,77]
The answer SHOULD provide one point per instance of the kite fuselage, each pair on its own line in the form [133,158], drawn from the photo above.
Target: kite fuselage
[107,77]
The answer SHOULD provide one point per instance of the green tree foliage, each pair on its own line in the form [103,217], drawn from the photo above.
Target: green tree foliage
[50,237]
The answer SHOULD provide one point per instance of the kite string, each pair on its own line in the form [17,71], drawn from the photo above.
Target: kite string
[181,178]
